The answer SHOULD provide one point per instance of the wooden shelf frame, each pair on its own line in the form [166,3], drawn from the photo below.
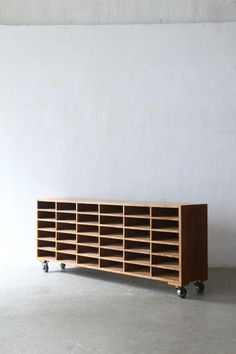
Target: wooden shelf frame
[149,240]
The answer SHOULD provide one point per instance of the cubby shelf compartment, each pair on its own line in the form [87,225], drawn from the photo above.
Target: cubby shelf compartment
[149,240]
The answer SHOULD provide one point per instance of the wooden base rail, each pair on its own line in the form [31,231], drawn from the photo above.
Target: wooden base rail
[165,242]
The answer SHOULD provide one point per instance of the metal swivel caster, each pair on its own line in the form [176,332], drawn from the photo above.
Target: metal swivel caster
[199,286]
[181,292]
[63,265]
[45,267]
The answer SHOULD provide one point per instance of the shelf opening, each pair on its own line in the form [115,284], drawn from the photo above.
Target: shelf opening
[142,235]
[87,229]
[66,206]
[111,231]
[138,270]
[111,265]
[46,205]
[46,234]
[88,251]
[68,258]
[87,261]
[111,243]
[167,237]
[167,225]
[88,240]
[67,247]
[62,236]
[166,211]
[83,207]
[66,216]
[46,254]
[166,275]
[46,244]
[90,218]
[165,262]
[112,254]
[46,214]
[66,227]
[137,222]
[139,258]
[165,250]
[137,210]
[47,225]
[111,209]
[135,246]
[111,220]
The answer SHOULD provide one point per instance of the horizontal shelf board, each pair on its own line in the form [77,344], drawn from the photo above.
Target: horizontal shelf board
[112,214]
[136,227]
[167,265]
[45,248]
[46,258]
[113,247]
[87,265]
[172,218]
[88,212]
[113,268]
[49,210]
[69,242]
[66,211]
[93,223]
[67,252]
[138,239]
[167,242]
[113,258]
[167,229]
[90,244]
[167,277]
[72,232]
[139,273]
[67,261]
[49,239]
[46,219]
[112,225]
[173,254]
[50,229]
[88,254]
[138,250]
[67,222]
[139,262]
[115,237]
[87,233]
[138,216]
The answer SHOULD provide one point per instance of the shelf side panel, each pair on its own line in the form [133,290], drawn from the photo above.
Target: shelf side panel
[194,263]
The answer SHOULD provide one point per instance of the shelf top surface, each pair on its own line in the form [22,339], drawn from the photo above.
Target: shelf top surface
[117,202]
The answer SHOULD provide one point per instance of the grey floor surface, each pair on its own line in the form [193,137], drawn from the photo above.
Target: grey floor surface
[83,311]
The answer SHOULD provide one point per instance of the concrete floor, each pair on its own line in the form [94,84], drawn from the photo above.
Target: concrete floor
[83,311]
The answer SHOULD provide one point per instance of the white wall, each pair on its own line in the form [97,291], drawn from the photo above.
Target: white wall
[66,12]
[134,112]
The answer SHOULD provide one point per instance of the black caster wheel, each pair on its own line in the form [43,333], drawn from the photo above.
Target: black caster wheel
[63,265]
[199,286]
[45,267]
[181,292]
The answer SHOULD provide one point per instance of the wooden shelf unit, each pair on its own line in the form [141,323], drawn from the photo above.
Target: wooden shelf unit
[149,240]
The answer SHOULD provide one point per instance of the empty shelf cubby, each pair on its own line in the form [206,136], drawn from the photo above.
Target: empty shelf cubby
[111,220]
[65,226]
[137,270]
[139,235]
[111,243]
[66,257]
[87,218]
[166,275]
[46,215]
[87,229]
[111,209]
[66,237]
[46,254]
[86,261]
[165,262]
[46,245]
[138,258]
[143,223]
[111,231]
[64,206]
[46,235]
[111,265]
[165,212]
[66,248]
[88,251]
[91,241]
[135,246]
[165,225]
[87,208]
[165,250]
[46,225]
[47,205]
[137,211]
[111,254]
[169,238]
